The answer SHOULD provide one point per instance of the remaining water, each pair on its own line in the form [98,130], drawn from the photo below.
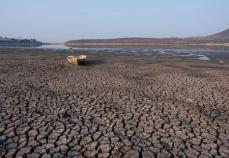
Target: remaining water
[54,46]
[199,54]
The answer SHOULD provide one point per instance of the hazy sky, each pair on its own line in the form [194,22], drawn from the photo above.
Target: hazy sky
[61,20]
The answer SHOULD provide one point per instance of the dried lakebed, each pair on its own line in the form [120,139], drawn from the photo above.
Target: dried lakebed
[116,106]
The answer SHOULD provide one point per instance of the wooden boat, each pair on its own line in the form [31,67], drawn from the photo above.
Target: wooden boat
[80,60]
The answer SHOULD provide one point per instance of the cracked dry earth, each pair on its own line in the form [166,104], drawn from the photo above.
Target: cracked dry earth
[124,107]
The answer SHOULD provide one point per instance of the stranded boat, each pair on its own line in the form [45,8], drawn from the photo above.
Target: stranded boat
[77,60]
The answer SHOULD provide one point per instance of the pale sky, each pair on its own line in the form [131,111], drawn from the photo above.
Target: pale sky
[62,20]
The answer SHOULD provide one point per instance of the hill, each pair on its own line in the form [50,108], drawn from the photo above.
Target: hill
[216,39]
[223,34]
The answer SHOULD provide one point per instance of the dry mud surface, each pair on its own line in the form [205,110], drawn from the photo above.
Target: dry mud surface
[116,106]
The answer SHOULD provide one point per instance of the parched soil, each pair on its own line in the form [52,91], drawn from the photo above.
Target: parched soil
[116,106]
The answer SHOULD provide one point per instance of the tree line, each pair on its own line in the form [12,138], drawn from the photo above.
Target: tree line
[17,42]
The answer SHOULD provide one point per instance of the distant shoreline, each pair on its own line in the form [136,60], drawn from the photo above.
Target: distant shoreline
[157,45]
[220,39]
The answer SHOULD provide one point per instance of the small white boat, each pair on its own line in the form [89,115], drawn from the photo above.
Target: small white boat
[80,60]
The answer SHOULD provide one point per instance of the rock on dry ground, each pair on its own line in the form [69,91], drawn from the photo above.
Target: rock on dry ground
[122,107]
